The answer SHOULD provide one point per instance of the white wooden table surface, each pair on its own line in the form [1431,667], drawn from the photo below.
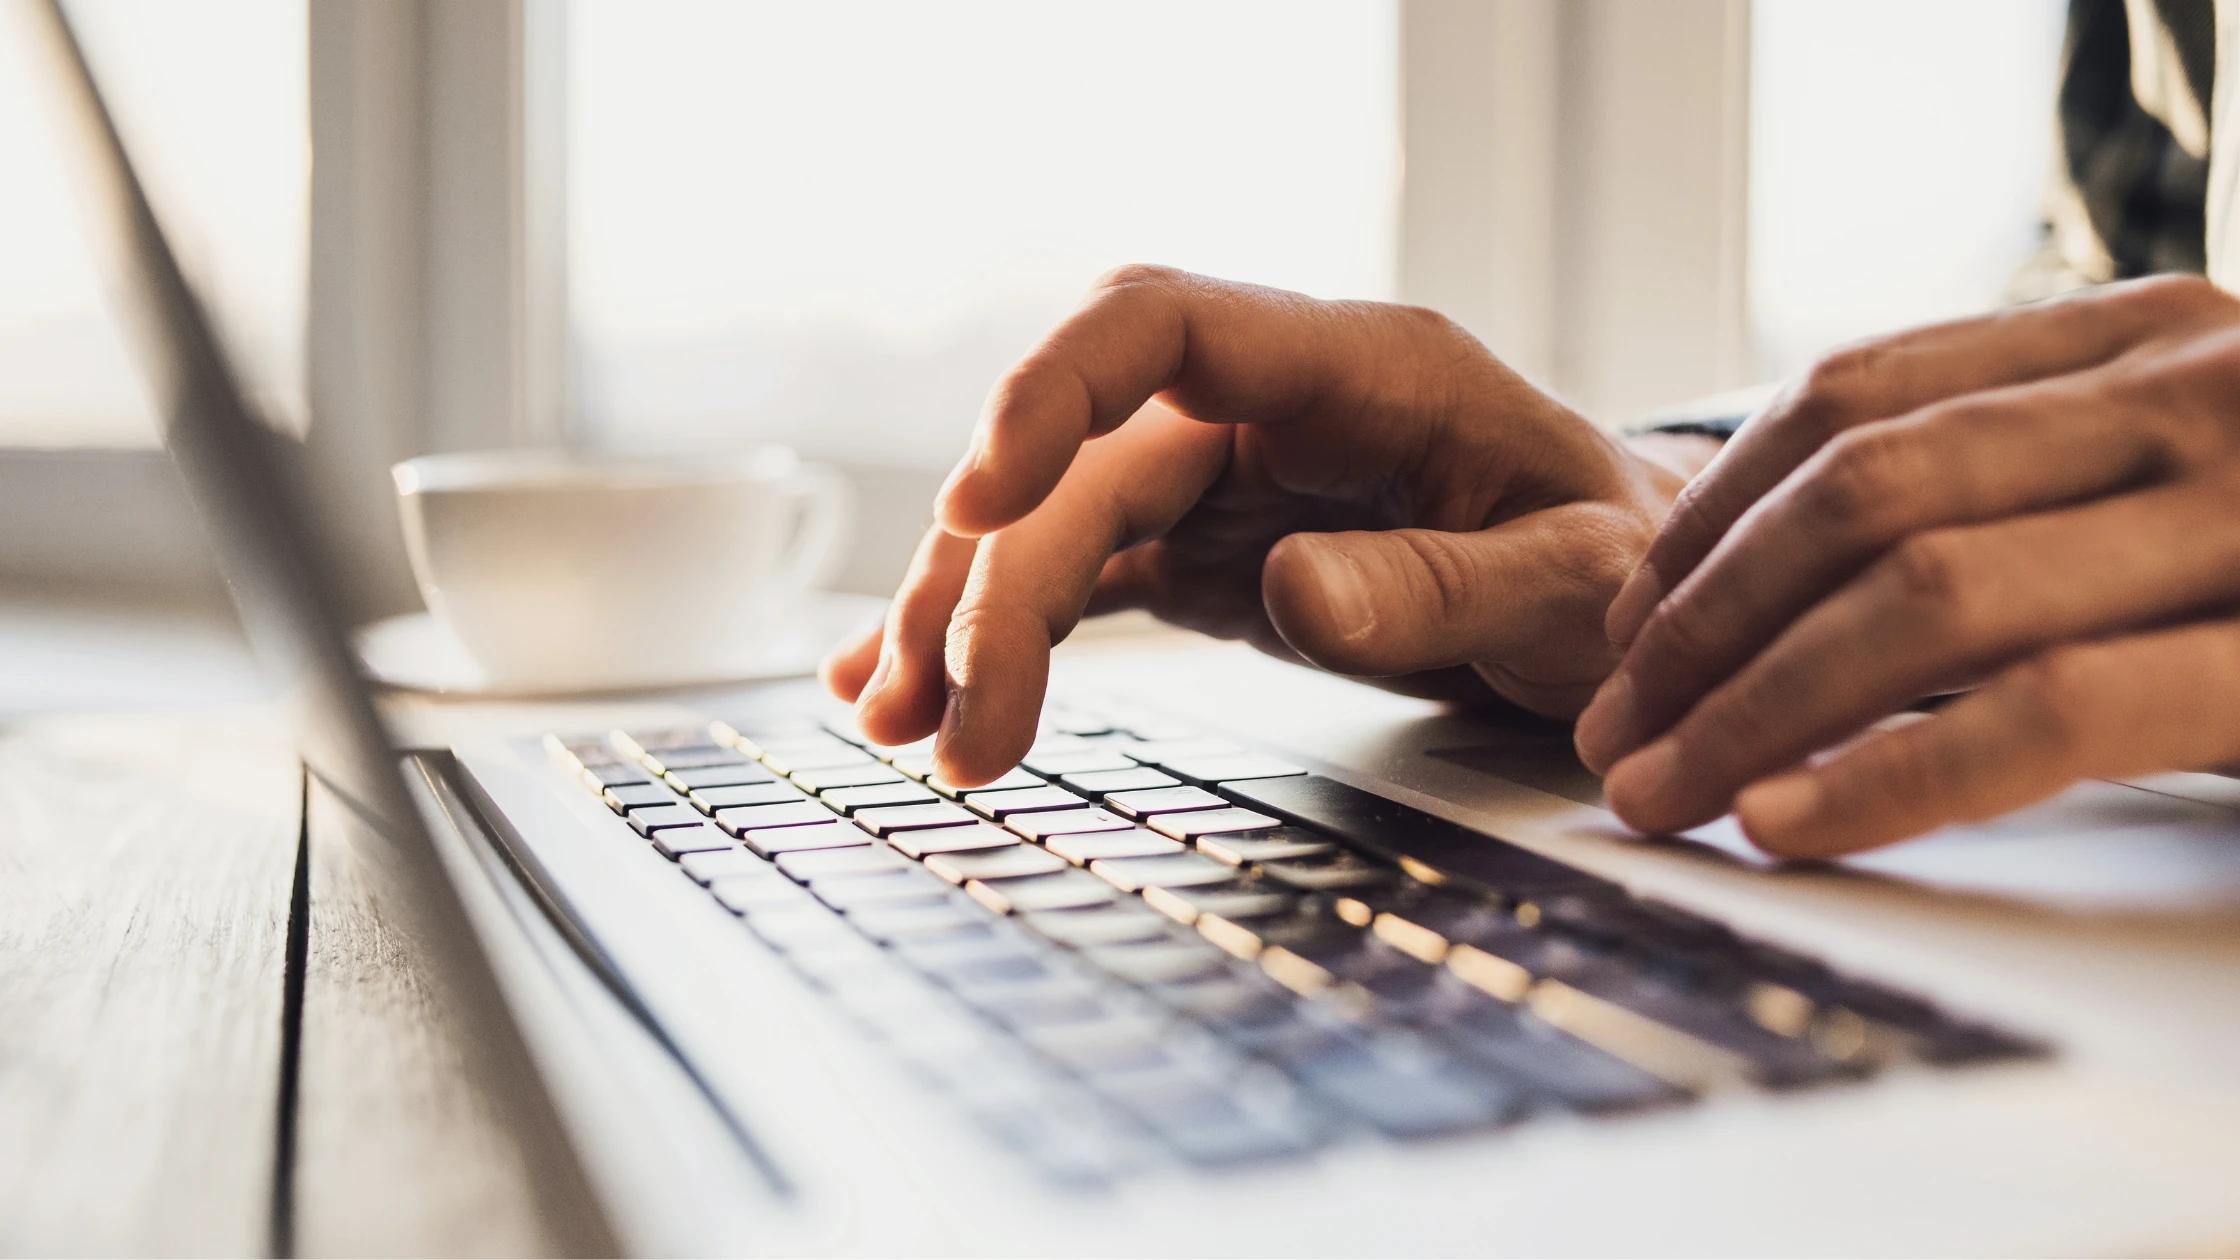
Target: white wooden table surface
[208,1044]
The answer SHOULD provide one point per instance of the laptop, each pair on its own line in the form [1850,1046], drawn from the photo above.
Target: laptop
[1241,959]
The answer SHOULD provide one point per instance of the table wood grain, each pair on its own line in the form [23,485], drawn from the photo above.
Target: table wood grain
[146,865]
[398,1151]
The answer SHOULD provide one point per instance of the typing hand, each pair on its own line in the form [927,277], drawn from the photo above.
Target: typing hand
[1357,485]
[2047,499]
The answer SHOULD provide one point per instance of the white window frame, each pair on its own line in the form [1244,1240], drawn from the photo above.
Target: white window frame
[1577,180]
[436,304]
[1567,162]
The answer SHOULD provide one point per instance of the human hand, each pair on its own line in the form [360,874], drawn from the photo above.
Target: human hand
[2047,498]
[1360,486]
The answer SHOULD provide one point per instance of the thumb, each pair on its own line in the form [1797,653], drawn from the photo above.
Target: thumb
[1523,600]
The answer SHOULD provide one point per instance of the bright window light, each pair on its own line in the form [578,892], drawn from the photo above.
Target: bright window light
[833,224]
[211,99]
[1899,154]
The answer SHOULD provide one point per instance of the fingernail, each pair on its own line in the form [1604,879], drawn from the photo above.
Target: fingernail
[1773,810]
[1345,592]
[1630,610]
[878,679]
[1609,728]
[953,715]
[1636,786]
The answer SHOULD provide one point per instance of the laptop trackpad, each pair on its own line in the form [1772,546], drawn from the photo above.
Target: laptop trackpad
[2097,847]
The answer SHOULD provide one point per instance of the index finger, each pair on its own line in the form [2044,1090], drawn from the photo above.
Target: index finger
[1212,350]
[1879,380]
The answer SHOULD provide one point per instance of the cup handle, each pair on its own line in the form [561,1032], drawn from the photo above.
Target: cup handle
[825,500]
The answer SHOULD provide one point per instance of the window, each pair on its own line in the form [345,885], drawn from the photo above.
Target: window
[832,225]
[211,98]
[1899,153]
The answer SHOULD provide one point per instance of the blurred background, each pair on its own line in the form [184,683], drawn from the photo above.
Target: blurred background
[685,225]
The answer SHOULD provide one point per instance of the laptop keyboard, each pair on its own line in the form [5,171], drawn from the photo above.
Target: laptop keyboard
[1146,943]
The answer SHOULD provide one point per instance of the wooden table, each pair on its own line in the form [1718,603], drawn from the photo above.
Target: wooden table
[208,1044]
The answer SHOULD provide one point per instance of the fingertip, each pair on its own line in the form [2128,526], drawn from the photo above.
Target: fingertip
[1319,600]
[1630,608]
[1780,814]
[848,669]
[1609,727]
[1648,792]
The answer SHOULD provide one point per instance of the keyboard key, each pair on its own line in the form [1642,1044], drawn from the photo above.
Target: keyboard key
[750,895]
[1179,870]
[1172,800]
[1400,831]
[830,834]
[1000,805]
[804,928]
[915,765]
[744,818]
[1072,721]
[706,867]
[937,921]
[976,838]
[1066,822]
[1408,1099]
[1280,844]
[1097,1046]
[1158,752]
[879,889]
[1160,962]
[1010,780]
[812,865]
[1056,743]
[850,799]
[1018,860]
[1032,1004]
[1210,822]
[864,775]
[1340,871]
[1094,846]
[710,799]
[1066,889]
[1654,1046]
[1208,1127]
[1230,900]
[1115,923]
[697,757]
[656,818]
[1053,765]
[817,758]
[980,963]
[889,819]
[731,775]
[636,796]
[1094,784]
[1230,769]
[888,752]
[616,774]
[674,842]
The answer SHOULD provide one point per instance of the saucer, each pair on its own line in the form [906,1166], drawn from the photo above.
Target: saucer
[415,652]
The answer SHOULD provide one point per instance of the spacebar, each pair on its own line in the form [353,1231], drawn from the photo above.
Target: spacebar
[1397,831]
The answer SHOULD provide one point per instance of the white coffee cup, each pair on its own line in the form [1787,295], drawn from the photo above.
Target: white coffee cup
[569,571]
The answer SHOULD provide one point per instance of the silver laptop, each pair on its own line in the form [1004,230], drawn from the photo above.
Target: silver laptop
[1241,959]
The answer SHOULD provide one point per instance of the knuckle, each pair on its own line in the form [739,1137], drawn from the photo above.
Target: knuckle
[1445,573]
[1687,628]
[2060,690]
[2174,294]
[1860,474]
[1138,275]
[1933,576]
[1837,389]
